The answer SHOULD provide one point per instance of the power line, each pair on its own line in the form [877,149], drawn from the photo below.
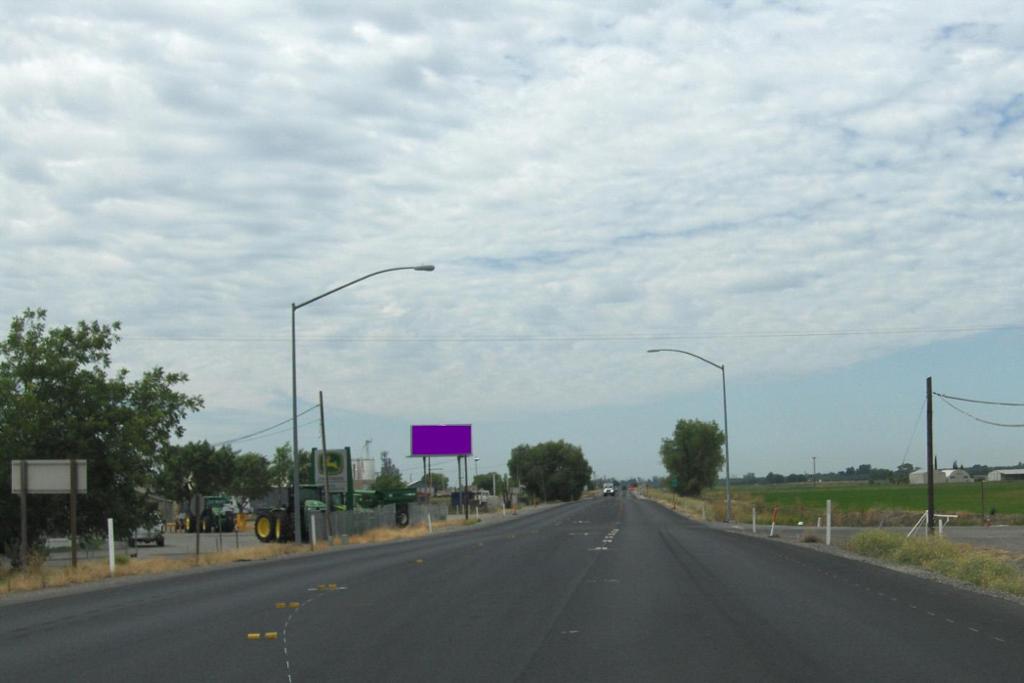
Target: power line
[585,337]
[266,429]
[914,433]
[975,417]
[974,400]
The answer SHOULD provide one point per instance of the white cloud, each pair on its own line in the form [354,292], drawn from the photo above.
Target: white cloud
[715,169]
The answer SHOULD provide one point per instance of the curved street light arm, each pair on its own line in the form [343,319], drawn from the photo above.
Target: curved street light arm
[720,367]
[365,277]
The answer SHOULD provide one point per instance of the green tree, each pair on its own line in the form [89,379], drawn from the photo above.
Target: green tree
[390,477]
[551,470]
[252,477]
[282,466]
[693,456]
[490,481]
[194,468]
[438,481]
[59,398]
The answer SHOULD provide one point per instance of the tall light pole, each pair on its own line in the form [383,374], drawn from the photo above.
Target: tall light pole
[297,506]
[725,415]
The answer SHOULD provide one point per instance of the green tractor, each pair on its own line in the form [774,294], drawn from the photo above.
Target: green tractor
[276,524]
[219,514]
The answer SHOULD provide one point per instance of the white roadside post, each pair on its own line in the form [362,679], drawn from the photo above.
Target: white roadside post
[312,531]
[828,522]
[430,525]
[753,518]
[110,542]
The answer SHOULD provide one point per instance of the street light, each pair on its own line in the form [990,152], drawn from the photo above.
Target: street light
[297,507]
[725,412]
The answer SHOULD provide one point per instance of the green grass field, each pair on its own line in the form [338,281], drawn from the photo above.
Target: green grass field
[871,504]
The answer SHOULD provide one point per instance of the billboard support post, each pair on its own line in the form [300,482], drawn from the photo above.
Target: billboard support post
[465,487]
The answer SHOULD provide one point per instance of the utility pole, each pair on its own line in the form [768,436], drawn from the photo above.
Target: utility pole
[931,463]
[327,485]
[814,471]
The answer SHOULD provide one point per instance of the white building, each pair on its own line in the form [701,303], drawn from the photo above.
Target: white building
[956,477]
[1005,475]
[941,477]
[921,477]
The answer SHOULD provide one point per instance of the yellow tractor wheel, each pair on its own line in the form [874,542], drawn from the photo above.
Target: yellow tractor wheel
[265,529]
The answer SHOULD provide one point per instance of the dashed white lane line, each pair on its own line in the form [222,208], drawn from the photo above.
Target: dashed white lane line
[320,590]
[910,605]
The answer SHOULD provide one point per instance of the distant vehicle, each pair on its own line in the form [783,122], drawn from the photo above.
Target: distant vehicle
[147,534]
[609,490]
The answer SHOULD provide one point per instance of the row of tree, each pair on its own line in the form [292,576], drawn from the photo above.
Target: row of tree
[61,397]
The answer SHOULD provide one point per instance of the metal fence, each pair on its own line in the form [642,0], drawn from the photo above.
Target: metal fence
[355,522]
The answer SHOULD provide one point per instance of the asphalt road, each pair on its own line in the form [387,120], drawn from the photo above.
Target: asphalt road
[591,591]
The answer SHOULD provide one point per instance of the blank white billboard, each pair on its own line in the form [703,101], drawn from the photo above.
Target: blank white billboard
[48,476]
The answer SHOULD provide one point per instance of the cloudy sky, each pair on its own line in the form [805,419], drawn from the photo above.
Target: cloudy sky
[824,196]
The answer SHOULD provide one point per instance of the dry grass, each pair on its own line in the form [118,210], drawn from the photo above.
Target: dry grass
[39,576]
[985,567]
[694,508]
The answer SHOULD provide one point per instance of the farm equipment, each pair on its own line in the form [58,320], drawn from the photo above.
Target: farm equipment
[400,498]
[219,514]
[274,523]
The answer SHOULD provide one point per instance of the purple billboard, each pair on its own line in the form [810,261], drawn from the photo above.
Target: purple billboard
[442,440]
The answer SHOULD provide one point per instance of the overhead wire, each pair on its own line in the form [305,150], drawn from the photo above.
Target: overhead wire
[974,400]
[587,337]
[975,417]
[917,423]
[267,429]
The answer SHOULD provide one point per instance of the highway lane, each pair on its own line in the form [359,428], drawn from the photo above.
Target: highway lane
[594,591]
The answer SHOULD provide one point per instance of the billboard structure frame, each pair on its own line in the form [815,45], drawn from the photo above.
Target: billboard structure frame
[445,440]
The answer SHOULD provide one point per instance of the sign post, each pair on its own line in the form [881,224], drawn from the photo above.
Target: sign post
[23,550]
[73,511]
[49,476]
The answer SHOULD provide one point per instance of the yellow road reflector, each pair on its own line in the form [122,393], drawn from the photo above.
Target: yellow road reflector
[252,636]
[419,561]
[270,635]
[332,586]
[293,605]
[322,586]
[279,605]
